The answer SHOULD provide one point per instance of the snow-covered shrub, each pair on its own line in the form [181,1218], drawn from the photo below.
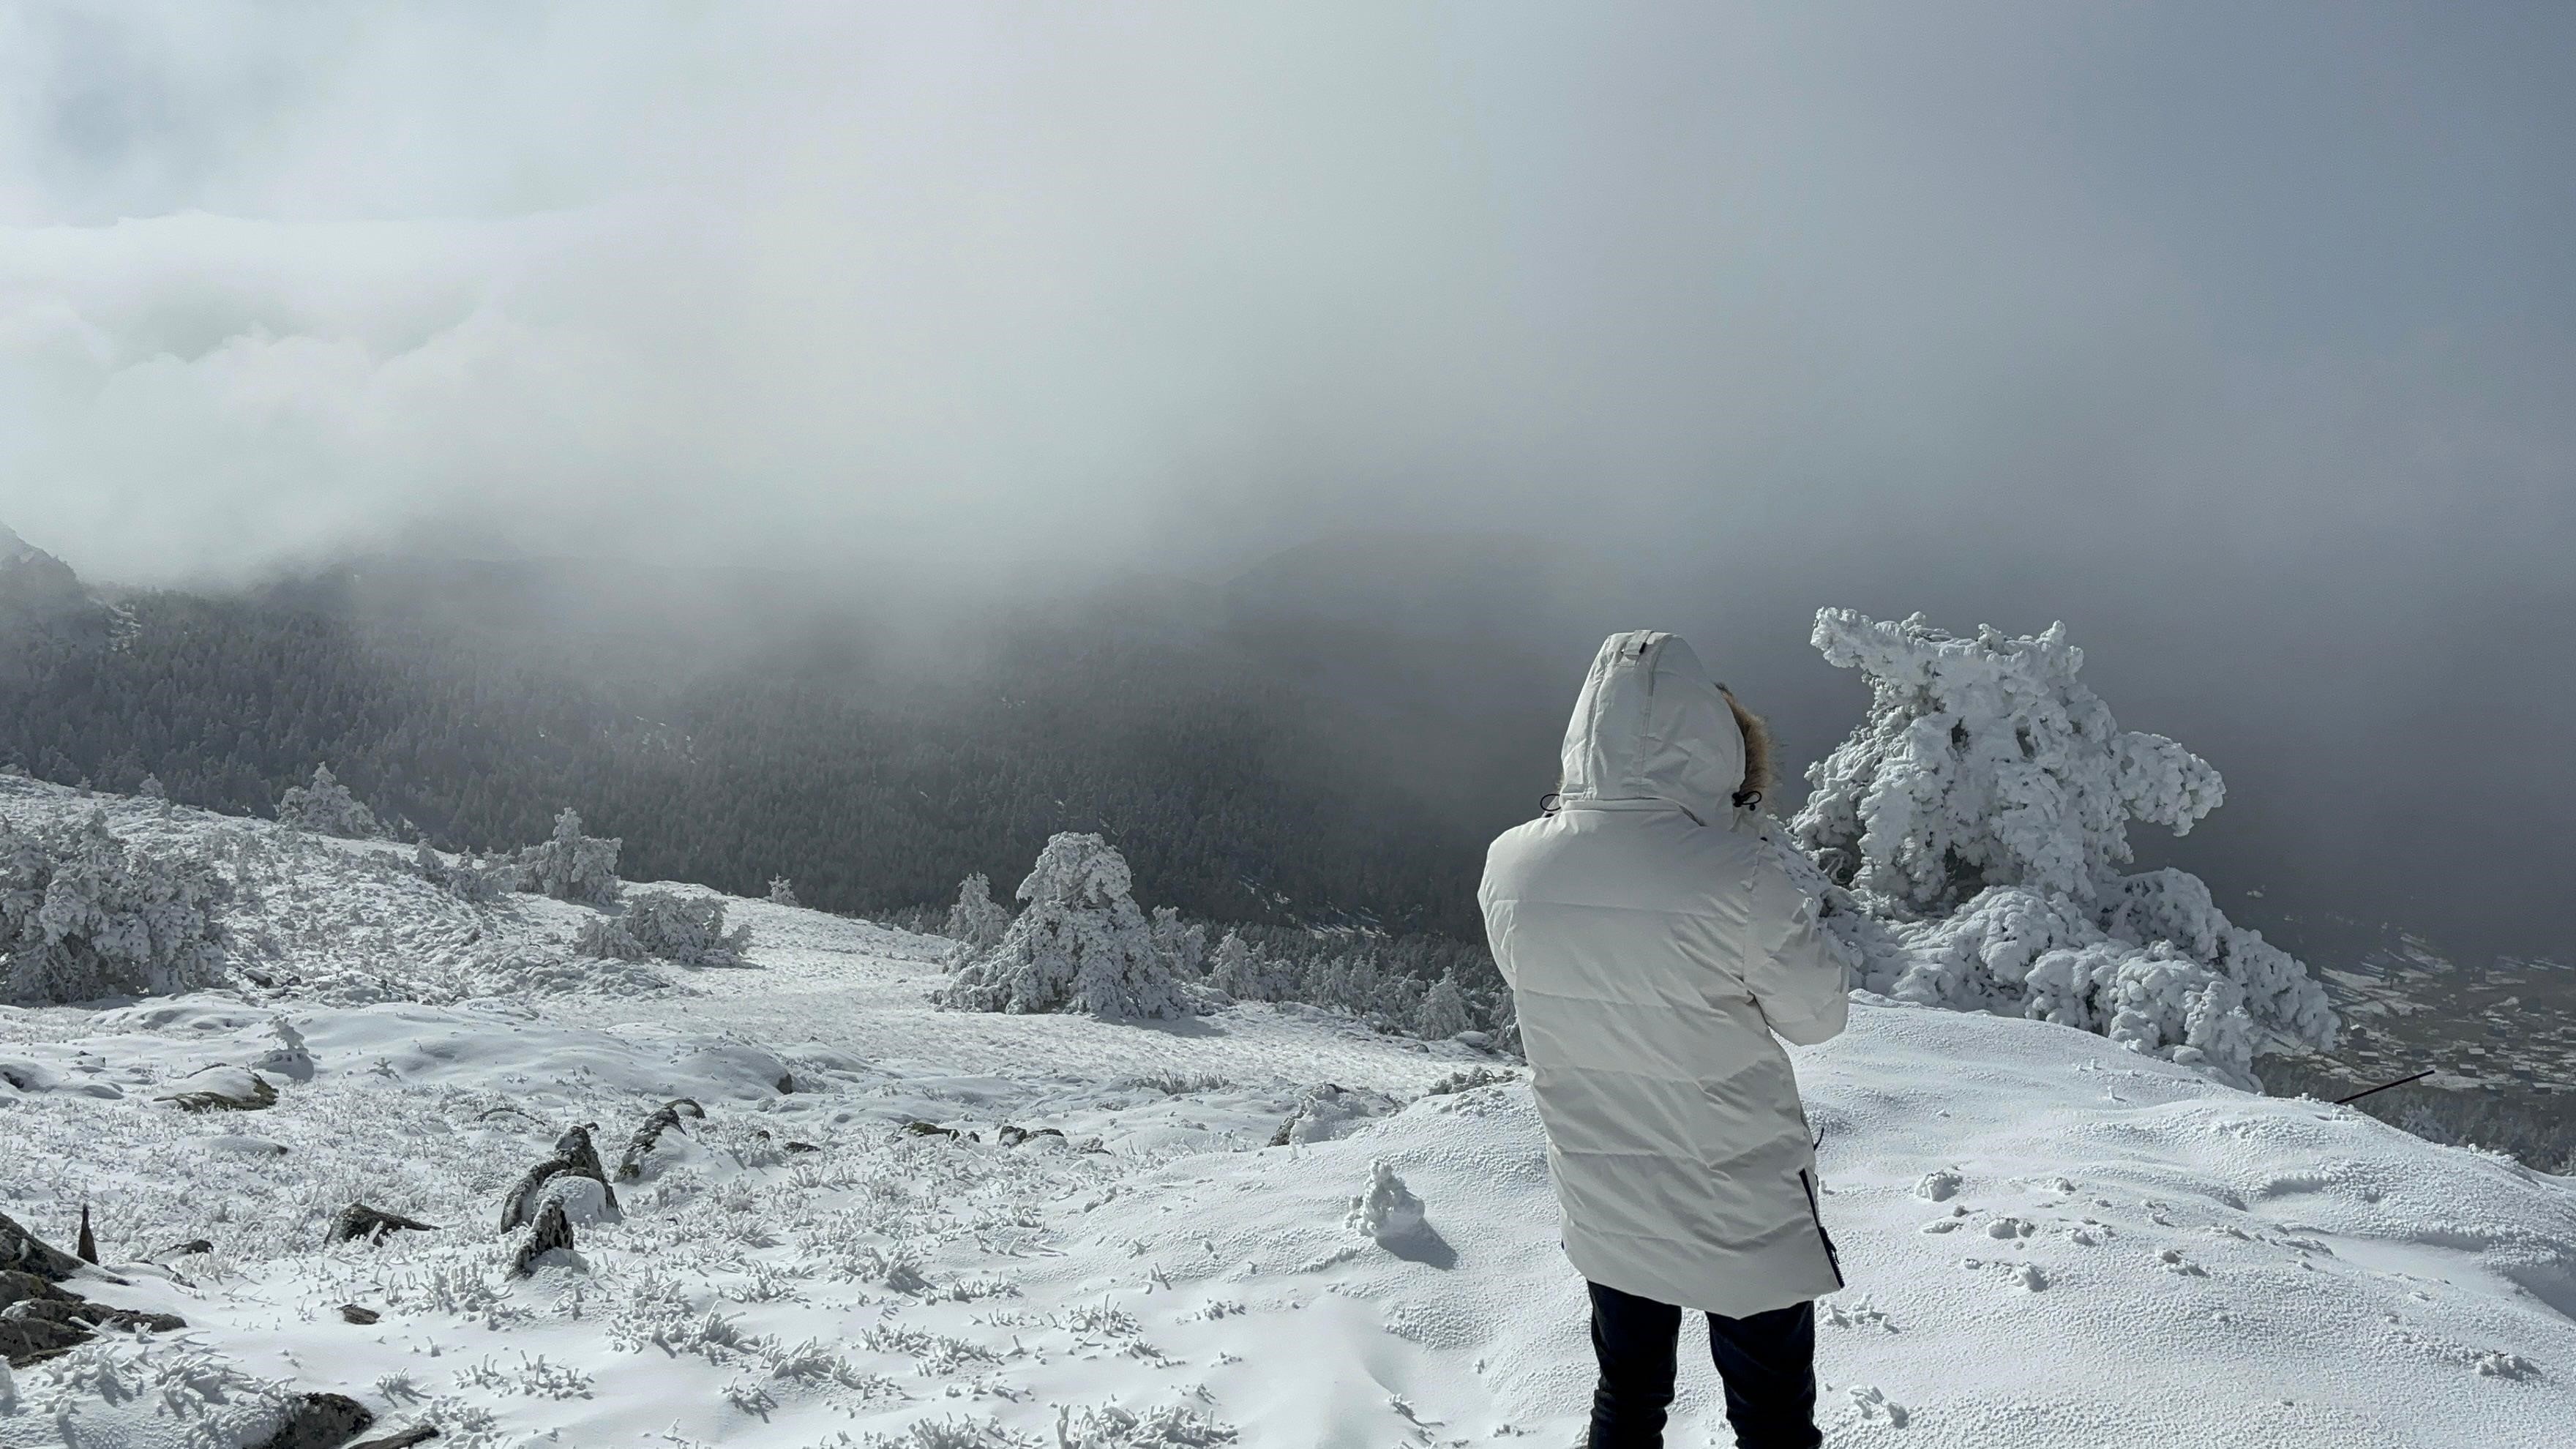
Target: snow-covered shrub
[782,891]
[1183,947]
[469,878]
[571,866]
[1078,944]
[691,932]
[1970,833]
[605,938]
[1325,1112]
[326,807]
[1386,1209]
[977,922]
[84,914]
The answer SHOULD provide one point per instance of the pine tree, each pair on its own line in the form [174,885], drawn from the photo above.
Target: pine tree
[977,921]
[1443,1013]
[1080,944]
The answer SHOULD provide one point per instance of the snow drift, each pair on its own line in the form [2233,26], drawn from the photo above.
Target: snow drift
[893,1225]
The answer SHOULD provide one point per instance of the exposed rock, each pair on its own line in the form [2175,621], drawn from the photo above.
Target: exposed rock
[320,1421]
[574,1154]
[223,1089]
[1329,1111]
[630,1168]
[551,1232]
[353,1313]
[17,1287]
[933,1129]
[405,1439]
[585,1201]
[39,1319]
[27,1253]
[1010,1136]
[87,1249]
[358,1221]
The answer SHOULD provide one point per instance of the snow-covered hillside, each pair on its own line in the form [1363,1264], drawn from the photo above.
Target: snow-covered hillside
[2051,1241]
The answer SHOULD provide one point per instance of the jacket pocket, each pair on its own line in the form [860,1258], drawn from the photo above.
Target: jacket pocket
[1833,1259]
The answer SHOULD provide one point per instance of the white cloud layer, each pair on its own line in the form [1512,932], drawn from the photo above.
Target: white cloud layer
[1074,286]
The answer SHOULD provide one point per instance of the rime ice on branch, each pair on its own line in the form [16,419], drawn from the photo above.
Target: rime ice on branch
[1978,817]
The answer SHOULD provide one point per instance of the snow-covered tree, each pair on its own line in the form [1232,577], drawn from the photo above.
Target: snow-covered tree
[151,788]
[1078,944]
[1970,834]
[782,891]
[1443,1012]
[326,807]
[85,914]
[572,866]
[1243,973]
[977,921]
[1183,946]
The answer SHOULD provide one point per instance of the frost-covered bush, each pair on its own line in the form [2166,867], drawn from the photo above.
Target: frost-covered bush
[1183,945]
[1386,1209]
[326,807]
[469,878]
[976,922]
[83,913]
[1970,834]
[670,927]
[571,866]
[1078,944]
[782,891]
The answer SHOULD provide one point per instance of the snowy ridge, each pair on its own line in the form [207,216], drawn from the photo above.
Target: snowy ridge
[2051,1241]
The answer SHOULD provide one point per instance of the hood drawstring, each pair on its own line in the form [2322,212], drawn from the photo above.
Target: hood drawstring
[1548,803]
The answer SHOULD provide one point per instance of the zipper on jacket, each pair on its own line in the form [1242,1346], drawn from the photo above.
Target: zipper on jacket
[1833,1259]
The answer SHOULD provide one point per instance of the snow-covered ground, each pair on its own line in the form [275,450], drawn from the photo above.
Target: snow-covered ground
[2050,1241]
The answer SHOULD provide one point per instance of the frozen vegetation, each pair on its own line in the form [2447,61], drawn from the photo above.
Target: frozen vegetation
[1976,823]
[1079,944]
[85,913]
[571,866]
[662,925]
[836,1214]
[324,806]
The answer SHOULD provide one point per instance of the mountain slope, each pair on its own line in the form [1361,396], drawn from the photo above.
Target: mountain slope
[2050,1242]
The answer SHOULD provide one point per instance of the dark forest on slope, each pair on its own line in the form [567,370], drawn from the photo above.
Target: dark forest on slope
[470,702]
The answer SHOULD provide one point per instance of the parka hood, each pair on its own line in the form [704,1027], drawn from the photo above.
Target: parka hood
[1651,725]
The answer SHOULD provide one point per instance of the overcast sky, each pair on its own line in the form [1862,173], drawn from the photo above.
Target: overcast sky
[2242,336]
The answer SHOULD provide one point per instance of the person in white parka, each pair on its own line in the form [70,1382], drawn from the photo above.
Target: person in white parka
[1655,948]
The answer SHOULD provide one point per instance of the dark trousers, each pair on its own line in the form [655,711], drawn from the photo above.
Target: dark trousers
[1768,1361]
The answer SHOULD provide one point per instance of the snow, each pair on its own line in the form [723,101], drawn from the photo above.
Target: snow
[1967,839]
[2051,1240]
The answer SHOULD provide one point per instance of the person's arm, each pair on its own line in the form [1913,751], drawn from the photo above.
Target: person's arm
[1796,971]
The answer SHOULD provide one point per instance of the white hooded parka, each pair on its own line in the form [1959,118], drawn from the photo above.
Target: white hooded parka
[1654,947]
